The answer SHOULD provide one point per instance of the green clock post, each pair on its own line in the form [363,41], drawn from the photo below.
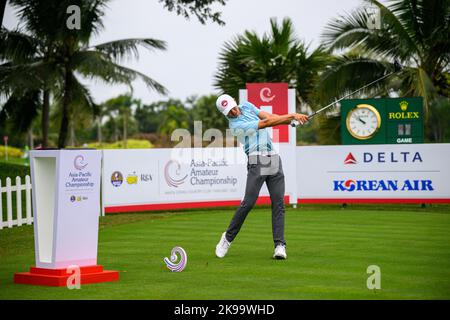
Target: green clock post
[382,121]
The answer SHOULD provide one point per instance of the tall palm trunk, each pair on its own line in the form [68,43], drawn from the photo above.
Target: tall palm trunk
[31,137]
[99,129]
[116,131]
[125,124]
[63,131]
[73,138]
[45,118]
[2,10]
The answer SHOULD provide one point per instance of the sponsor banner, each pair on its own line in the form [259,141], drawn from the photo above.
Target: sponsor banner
[370,172]
[196,175]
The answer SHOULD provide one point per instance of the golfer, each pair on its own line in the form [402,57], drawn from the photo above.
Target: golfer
[249,124]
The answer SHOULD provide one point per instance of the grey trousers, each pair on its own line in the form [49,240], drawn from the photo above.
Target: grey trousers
[262,169]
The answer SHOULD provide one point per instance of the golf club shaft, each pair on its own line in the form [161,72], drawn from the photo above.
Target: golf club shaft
[349,94]
[295,123]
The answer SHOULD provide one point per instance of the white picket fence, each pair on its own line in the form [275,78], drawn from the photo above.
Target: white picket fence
[8,189]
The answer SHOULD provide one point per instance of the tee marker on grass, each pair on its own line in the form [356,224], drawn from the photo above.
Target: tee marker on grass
[172,263]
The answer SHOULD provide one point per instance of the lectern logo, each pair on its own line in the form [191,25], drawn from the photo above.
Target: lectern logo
[79,162]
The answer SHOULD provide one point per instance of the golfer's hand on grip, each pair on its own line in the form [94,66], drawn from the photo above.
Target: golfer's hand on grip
[302,118]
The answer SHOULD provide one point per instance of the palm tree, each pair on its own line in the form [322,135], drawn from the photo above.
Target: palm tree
[413,31]
[49,57]
[121,106]
[277,56]
[174,117]
[200,110]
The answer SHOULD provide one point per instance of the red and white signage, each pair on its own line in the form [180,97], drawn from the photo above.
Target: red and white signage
[274,98]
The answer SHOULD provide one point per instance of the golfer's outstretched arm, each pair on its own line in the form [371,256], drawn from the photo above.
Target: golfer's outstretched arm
[272,120]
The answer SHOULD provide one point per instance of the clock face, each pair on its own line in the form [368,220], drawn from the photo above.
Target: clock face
[363,121]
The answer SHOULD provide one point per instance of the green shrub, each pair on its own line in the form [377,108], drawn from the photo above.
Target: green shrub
[12,152]
[13,171]
[131,144]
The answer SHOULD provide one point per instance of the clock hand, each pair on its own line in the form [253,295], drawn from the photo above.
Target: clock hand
[361,120]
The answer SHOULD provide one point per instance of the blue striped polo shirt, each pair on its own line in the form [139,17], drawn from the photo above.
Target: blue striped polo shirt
[245,128]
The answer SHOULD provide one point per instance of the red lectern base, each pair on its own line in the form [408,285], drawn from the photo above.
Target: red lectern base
[58,277]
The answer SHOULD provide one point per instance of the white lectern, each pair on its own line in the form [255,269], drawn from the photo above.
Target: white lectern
[66,207]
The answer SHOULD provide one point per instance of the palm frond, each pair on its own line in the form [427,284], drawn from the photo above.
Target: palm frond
[348,73]
[119,49]
[416,82]
[136,75]
[27,76]
[20,109]
[16,45]
[47,19]
[352,30]
[94,64]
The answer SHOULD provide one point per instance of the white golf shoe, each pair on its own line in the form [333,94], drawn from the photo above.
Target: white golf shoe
[222,246]
[280,252]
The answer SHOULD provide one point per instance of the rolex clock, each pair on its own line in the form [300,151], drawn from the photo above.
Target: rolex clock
[363,121]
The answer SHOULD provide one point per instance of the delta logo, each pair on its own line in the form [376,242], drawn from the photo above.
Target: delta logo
[351,185]
[386,157]
[350,159]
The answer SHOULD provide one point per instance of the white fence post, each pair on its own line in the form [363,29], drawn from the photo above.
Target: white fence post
[1,206]
[9,203]
[18,188]
[19,201]
[28,199]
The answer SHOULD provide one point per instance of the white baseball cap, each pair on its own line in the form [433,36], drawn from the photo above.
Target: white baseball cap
[225,103]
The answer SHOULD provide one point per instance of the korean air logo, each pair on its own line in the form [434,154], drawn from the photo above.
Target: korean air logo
[224,103]
[351,185]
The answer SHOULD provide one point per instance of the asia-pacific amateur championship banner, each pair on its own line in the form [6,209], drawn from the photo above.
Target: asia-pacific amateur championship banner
[157,179]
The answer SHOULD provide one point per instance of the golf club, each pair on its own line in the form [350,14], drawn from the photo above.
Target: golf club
[397,67]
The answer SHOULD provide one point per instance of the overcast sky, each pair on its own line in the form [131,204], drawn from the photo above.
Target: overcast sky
[188,66]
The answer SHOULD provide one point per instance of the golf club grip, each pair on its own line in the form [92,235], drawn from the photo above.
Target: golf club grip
[295,123]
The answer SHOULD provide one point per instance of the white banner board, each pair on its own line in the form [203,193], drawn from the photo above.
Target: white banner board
[146,179]
[374,173]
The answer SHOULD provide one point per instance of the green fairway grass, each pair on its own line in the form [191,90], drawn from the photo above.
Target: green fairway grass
[329,250]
